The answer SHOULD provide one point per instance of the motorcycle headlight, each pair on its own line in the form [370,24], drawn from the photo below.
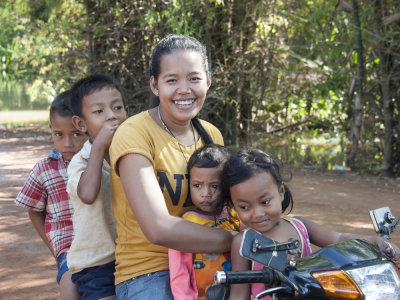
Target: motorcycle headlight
[377,281]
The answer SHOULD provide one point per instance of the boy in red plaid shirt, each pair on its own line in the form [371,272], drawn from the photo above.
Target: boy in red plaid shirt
[45,195]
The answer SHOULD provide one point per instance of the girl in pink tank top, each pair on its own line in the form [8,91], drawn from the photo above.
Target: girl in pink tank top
[253,185]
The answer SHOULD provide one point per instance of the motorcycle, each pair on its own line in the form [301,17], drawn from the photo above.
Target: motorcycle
[351,269]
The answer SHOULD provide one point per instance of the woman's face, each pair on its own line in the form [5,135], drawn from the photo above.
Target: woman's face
[258,202]
[182,85]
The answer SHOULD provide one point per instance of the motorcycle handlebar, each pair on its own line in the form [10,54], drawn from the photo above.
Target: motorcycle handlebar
[236,277]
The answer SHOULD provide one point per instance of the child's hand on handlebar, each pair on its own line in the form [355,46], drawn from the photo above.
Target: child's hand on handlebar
[391,250]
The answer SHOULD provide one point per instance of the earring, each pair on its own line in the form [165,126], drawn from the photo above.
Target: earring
[156,93]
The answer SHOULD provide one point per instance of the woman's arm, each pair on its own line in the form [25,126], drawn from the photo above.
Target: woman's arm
[239,263]
[323,237]
[37,219]
[147,203]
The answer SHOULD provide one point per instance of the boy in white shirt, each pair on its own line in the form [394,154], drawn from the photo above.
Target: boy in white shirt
[99,109]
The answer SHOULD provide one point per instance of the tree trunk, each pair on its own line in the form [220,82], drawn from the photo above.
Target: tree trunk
[386,167]
[90,5]
[358,99]
[240,16]
[385,64]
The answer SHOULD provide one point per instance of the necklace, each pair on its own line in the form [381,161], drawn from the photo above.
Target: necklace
[171,133]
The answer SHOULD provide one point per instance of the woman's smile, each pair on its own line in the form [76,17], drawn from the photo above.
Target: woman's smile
[184,103]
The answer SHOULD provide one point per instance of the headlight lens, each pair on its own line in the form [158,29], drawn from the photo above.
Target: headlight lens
[377,281]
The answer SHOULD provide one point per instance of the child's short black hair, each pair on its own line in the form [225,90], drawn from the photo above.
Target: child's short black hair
[208,156]
[61,105]
[89,85]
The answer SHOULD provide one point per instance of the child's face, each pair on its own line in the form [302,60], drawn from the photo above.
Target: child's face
[205,188]
[182,85]
[67,139]
[99,107]
[258,202]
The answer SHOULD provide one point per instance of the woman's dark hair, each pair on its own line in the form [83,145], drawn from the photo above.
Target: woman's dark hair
[89,85]
[61,105]
[247,163]
[208,156]
[181,42]
[176,42]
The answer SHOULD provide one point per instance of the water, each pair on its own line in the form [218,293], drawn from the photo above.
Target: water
[16,98]
[18,109]
[325,151]
[305,149]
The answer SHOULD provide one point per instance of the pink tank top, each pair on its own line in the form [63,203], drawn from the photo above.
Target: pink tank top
[306,250]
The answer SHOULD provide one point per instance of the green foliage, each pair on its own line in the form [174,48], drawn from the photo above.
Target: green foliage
[280,68]
[39,42]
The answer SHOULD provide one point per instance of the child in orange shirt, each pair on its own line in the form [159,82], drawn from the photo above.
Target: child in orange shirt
[192,274]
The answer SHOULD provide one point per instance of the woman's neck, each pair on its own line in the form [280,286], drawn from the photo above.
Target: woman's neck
[183,132]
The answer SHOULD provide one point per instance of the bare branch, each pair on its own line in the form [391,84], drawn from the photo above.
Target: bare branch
[342,5]
[391,19]
[348,55]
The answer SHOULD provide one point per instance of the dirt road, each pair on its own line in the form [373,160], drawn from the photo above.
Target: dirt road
[340,201]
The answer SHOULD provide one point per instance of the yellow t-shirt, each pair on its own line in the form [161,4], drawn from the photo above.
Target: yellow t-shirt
[140,134]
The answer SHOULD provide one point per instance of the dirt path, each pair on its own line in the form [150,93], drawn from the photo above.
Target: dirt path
[340,201]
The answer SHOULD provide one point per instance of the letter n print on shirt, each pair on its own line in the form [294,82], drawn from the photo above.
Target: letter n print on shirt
[164,182]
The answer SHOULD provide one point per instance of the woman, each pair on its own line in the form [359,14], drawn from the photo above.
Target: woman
[150,150]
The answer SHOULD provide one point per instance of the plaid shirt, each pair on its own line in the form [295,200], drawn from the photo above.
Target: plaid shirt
[45,191]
